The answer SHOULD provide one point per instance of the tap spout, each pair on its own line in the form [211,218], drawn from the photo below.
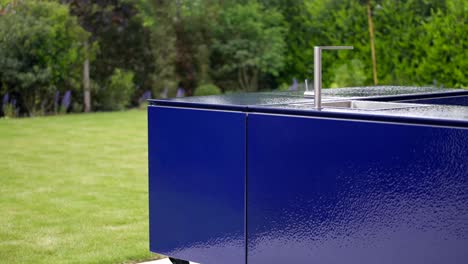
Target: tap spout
[318,71]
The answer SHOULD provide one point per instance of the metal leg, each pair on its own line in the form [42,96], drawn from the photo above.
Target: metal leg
[178,261]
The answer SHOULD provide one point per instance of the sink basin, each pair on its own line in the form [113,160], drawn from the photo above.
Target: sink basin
[367,105]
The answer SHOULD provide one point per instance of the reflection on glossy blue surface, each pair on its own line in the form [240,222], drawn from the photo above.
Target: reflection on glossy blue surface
[336,191]
[283,97]
[196,184]
[438,112]
[450,100]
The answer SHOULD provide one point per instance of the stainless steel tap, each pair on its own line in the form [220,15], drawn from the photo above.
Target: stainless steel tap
[318,71]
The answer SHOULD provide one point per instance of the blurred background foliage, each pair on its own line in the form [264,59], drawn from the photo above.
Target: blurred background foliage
[137,47]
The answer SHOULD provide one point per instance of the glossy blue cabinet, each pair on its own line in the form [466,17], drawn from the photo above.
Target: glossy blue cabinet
[196,184]
[344,191]
[231,183]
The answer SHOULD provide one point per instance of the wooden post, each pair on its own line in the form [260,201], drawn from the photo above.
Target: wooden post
[372,43]
[86,86]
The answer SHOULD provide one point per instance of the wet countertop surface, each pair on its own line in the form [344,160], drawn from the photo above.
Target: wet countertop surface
[448,112]
[294,102]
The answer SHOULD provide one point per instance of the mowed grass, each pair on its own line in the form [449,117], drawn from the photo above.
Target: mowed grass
[73,189]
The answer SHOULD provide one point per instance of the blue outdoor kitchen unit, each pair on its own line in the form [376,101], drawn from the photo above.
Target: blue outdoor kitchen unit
[376,175]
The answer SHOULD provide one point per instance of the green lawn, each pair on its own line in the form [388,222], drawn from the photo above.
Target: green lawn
[73,189]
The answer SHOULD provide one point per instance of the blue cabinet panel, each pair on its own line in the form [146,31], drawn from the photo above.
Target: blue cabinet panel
[341,191]
[196,184]
[461,100]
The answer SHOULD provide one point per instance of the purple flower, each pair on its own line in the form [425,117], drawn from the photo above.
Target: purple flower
[13,103]
[6,97]
[66,100]
[180,92]
[145,96]
[293,87]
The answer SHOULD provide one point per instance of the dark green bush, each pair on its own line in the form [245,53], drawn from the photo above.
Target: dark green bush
[116,95]
[207,89]
[349,74]
[41,52]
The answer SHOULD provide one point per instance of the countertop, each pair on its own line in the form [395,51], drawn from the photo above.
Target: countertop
[294,103]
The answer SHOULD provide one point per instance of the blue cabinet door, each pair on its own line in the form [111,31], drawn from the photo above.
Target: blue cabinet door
[461,100]
[197,184]
[340,191]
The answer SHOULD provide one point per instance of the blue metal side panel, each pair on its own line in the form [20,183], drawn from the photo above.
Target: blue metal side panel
[336,191]
[196,184]
[451,100]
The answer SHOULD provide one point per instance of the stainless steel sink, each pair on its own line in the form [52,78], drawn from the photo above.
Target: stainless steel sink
[367,105]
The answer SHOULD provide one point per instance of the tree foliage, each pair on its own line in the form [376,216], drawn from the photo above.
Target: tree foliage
[116,94]
[248,45]
[159,18]
[40,53]
[207,89]
[123,41]
[445,60]
[250,39]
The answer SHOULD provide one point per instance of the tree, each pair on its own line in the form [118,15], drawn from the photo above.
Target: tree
[79,8]
[124,42]
[181,40]
[40,53]
[340,22]
[250,39]
[298,53]
[160,17]
[445,60]
[194,26]
[401,38]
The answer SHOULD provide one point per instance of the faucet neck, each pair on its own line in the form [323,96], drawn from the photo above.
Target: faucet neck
[318,77]
[318,71]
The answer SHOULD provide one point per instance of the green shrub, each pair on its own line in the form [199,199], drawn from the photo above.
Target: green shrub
[10,111]
[40,51]
[207,89]
[7,106]
[118,91]
[349,74]
[283,87]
